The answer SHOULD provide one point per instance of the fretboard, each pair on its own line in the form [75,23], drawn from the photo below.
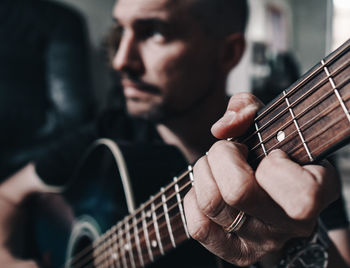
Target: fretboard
[308,121]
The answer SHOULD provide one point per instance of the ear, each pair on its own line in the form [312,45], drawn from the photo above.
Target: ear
[233,49]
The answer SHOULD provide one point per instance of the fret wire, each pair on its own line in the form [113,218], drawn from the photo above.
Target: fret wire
[298,129]
[168,187]
[121,233]
[121,246]
[307,78]
[190,172]
[156,228]
[324,129]
[329,141]
[174,206]
[345,109]
[108,251]
[310,121]
[178,197]
[138,244]
[145,231]
[101,253]
[129,245]
[165,208]
[161,215]
[288,123]
[300,114]
[112,255]
[322,98]
[116,248]
[297,101]
[260,138]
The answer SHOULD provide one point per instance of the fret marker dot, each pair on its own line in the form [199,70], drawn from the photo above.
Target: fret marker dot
[114,256]
[154,243]
[149,214]
[281,136]
[127,247]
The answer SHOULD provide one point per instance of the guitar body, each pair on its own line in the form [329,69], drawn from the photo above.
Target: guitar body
[66,223]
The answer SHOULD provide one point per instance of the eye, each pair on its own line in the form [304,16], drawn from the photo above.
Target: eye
[154,32]
[158,37]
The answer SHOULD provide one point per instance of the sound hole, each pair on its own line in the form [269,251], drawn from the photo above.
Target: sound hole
[82,251]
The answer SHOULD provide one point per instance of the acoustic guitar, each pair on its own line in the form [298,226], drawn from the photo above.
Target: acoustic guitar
[309,120]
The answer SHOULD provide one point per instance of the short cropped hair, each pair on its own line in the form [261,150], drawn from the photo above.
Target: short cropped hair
[221,17]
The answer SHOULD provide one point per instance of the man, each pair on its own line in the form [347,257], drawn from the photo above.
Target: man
[173,57]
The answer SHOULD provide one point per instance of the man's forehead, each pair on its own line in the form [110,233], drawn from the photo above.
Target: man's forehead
[132,9]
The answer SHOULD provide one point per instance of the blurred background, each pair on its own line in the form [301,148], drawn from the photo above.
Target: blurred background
[285,39]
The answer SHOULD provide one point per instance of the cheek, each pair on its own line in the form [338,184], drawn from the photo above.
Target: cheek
[167,64]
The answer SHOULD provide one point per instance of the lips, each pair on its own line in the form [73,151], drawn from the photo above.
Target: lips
[138,90]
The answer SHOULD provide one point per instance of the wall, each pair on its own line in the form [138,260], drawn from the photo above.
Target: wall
[309,31]
[98,15]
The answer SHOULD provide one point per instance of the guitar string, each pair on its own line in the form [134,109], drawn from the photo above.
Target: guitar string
[128,217]
[287,123]
[332,58]
[315,135]
[301,98]
[162,224]
[122,235]
[131,216]
[292,104]
[102,241]
[309,122]
[310,139]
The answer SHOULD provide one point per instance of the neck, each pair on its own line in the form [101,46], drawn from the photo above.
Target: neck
[191,132]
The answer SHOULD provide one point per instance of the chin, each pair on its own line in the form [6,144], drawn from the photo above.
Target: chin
[152,113]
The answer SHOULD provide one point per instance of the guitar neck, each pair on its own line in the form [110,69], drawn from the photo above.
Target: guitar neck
[308,120]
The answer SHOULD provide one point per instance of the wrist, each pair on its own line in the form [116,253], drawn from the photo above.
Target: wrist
[300,252]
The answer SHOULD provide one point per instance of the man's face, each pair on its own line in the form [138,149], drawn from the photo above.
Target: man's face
[166,62]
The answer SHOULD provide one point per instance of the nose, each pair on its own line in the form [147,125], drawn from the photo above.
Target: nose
[127,57]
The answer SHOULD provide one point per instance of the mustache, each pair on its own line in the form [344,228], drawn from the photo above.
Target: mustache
[136,82]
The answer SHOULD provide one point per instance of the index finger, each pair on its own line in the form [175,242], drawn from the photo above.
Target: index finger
[238,117]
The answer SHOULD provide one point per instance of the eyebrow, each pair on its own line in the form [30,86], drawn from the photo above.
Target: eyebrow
[147,21]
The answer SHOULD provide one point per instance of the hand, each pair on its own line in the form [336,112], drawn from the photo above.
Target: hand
[8,261]
[281,198]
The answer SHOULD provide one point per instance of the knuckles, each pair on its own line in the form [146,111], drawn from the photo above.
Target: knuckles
[238,176]
[199,230]
[307,204]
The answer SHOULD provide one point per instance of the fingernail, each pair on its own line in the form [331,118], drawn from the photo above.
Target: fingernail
[249,108]
[227,118]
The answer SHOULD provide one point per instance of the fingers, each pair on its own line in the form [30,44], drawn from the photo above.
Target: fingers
[212,236]
[239,116]
[219,199]
[225,187]
[302,192]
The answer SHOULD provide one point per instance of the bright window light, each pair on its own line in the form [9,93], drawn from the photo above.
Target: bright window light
[342,3]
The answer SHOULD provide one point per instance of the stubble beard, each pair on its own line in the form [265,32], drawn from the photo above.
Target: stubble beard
[156,113]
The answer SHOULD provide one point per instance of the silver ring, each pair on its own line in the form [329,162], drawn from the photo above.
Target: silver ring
[236,223]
